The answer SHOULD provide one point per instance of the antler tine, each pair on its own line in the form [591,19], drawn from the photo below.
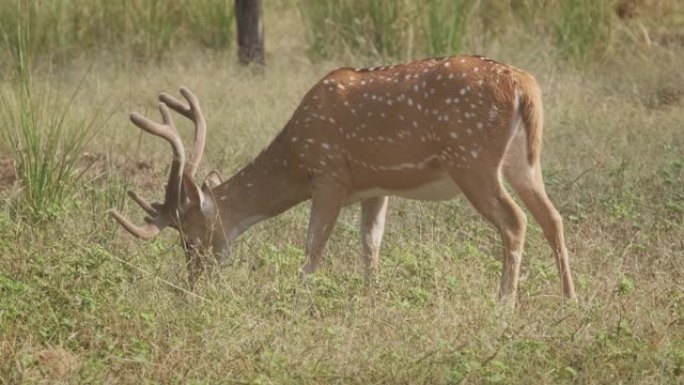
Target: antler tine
[166,131]
[149,231]
[193,112]
[143,203]
[176,105]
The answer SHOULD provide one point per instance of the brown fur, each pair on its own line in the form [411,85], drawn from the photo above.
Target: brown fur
[532,114]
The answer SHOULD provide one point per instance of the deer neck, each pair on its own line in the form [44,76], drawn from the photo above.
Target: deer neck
[264,188]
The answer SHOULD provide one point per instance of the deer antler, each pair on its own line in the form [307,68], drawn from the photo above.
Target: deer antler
[193,112]
[163,214]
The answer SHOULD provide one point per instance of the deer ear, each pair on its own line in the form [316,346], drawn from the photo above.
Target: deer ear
[192,191]
[212,180]
[202,197]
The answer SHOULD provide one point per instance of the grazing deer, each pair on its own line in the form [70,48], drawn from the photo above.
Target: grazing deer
[423,130]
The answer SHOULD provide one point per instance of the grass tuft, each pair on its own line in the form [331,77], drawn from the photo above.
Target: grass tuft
[44,138]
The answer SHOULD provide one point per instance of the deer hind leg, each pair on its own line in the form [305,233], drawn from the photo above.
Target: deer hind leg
[326,203]
[527,182]
[373,211]
[483,188]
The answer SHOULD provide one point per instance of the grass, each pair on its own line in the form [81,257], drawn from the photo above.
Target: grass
[43,135]
[378,29]
[385,29]
[584,29]
[446,26]
[388,29]
[83,302]
[146,29]
[46,141]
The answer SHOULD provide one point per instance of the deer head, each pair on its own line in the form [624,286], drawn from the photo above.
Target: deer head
[188,208]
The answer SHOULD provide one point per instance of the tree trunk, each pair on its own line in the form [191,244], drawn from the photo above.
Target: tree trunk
[250,31]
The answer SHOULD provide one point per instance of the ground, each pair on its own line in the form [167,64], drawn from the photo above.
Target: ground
[84,302]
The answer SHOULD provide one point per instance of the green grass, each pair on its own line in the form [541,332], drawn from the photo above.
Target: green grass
[147,29]
[83,302]
[584,29]
[46,140]
[387,29]
[446,26]
[42,133]
[378,29]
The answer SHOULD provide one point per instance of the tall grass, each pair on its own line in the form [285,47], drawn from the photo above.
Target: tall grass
[445,25]
[211,22]
[146,28]
[410,28]
[379,29]
[385,28]
[43,137]
[584,29]
[369,28]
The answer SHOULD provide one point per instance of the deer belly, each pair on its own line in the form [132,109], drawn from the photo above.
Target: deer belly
[440,188]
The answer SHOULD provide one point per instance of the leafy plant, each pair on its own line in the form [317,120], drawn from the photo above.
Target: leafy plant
[625,286]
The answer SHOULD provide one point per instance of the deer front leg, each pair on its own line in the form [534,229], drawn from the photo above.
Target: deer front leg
[326,203]
[373,211]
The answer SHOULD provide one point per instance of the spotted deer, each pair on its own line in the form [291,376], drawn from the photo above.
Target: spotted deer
[424,130]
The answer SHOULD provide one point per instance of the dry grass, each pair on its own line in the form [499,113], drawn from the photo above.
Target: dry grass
[108,304]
